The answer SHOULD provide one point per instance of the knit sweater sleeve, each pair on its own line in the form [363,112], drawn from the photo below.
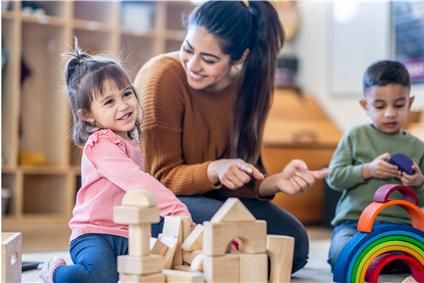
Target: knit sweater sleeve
[161,84]
[344,174]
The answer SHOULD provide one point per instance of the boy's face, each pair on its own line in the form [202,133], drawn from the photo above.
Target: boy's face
[388,107]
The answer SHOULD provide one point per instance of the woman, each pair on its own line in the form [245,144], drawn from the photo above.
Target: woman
[204,114]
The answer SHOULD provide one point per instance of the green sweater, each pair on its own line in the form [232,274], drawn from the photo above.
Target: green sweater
[360,145]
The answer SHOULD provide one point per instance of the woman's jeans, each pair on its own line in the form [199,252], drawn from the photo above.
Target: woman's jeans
[279,221]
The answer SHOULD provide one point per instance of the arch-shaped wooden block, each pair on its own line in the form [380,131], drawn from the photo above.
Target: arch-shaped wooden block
[369,214]
[378,264]
[218,236]
[383,193]
[139,197]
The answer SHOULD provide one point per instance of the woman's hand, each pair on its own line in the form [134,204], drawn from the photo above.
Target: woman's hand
[295,178]
[232,173]
[414,180]
[380,168]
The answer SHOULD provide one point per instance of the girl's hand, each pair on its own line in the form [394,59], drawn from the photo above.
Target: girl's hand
[380,168]
[232,173]
[296,178]
[415,180]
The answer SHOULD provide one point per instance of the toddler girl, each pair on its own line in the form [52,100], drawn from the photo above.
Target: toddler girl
[106,120]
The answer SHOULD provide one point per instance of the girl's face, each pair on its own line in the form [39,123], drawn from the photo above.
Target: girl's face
[115,109]
[206,66]
[388,107]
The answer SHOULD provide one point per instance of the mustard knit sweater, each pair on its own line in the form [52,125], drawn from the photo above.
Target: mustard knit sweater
[184,129]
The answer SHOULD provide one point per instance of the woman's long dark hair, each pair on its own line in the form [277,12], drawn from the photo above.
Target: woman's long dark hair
[239,26]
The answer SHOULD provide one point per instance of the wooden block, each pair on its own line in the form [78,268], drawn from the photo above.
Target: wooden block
[226,268]
[139,239]
[176,276]
[171,243]
[11,257]
[280,250]
[136,265]
[189,256]
[135,214]
[233,210]
[173,227]
[194,240]
[197,263]
[152,278]
[157,247]
[183,267]
[217,237]
[254,268]
[409,279]
[186,225]
[139,197]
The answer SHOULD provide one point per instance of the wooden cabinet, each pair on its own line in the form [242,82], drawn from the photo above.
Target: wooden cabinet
[298,128]
[40,166]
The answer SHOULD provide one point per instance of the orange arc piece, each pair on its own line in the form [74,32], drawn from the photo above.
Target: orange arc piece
[369,214]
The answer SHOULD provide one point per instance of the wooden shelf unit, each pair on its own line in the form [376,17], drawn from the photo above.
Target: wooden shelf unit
[36,117]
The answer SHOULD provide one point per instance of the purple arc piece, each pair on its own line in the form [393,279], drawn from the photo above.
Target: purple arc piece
[383,193]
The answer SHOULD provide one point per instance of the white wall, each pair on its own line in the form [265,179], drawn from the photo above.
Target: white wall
[314,47]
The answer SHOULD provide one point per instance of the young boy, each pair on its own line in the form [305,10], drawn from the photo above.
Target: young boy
[360,163]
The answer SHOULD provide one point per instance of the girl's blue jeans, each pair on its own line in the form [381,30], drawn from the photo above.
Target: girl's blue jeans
[95,258]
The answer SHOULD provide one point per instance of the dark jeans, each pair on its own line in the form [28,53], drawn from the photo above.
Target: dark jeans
[95,258]
[279,221]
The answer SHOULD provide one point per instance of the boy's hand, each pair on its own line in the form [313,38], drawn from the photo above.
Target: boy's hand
[380,168]
[415,180]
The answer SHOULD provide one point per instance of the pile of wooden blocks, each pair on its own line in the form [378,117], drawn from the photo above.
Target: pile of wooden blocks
[232,247]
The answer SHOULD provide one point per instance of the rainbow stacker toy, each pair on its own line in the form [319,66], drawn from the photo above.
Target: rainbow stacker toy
[372,248]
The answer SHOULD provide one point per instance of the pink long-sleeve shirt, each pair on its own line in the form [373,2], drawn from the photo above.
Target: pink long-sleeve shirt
[111,166]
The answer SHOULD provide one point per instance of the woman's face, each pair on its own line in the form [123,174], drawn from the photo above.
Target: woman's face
[206,66]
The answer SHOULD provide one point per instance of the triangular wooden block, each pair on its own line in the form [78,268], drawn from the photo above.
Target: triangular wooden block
[233,210]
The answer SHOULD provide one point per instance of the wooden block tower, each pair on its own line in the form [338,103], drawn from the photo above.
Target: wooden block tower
[139,211]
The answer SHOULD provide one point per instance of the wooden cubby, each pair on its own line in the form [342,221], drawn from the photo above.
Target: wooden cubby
[40,165]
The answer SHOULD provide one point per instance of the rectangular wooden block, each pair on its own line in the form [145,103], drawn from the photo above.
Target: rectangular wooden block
[254,268]
[135,214]
[135,265]
[189,256]
[173,227]
[152,278]
[139,239]
[157,247]
[176,276]
[280,250]
[218,269]
[194,240]
[11,257]
[218,236]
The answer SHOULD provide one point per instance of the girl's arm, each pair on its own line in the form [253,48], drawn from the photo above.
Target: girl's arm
[112,162]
